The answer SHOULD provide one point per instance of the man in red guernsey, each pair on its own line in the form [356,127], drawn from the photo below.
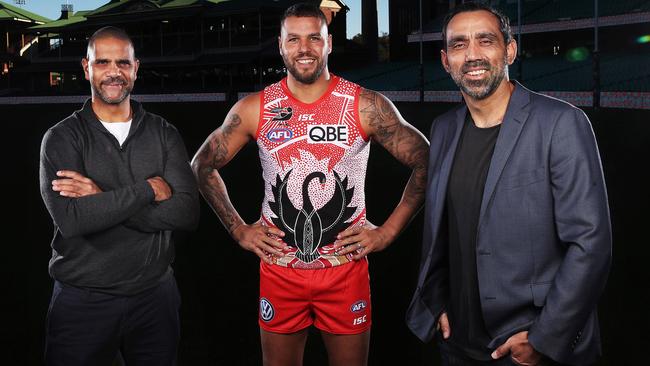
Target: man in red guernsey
[313,131]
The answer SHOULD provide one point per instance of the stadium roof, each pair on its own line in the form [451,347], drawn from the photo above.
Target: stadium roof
[133,10]
[77,17]
[9,12]
[119,6]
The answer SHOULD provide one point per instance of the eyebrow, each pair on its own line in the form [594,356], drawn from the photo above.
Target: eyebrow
[122,60]
[463,38]
[298,35]
[489,35]
[459,38]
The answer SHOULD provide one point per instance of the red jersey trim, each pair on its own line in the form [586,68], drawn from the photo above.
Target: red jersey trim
[259,118]
[357,116]
[362,215]
[334,81]
[268,223]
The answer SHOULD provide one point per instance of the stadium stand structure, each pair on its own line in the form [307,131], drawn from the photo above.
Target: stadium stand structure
[184,45]
[540,73]
[558,52]
[222,49]
[16,38]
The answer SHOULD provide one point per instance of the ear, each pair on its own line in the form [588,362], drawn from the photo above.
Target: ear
[136,66]
[444,61]
[85,65]
[329,41]
[511,52]
[280,45]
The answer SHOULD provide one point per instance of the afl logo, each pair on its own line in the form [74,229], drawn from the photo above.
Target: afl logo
[266,310]
[358,306]
[279,135]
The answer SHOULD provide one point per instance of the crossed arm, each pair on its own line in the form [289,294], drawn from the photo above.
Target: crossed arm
[79,206]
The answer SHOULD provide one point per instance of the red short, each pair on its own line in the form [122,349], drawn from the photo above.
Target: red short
[335,300]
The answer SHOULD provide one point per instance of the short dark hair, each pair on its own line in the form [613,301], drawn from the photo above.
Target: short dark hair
[109,32]
[303,10]
[504,22]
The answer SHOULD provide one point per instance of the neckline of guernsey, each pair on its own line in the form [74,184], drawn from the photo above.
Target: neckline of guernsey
[334,81]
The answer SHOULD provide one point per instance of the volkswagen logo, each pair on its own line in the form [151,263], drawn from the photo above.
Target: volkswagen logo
[266,310]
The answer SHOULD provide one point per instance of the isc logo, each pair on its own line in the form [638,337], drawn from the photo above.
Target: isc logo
[306,117]
[359,320]
[323,134]
[279,135]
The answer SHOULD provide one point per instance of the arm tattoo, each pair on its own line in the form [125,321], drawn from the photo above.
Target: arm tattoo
[212,156]
[380,115]
[402,140]
[220,143]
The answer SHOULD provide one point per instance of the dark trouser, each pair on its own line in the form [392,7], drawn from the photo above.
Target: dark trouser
[88,328]
[453,357]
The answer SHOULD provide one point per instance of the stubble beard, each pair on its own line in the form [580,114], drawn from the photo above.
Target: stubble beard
[126,91]
[308,78]
[481,89]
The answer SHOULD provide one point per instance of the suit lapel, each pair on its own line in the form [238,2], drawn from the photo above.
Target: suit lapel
[437,191]
[448,160]
[513,123]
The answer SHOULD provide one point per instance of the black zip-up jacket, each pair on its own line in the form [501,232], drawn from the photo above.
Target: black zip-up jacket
[118,241]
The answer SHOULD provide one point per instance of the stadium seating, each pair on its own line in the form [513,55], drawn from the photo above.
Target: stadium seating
[618,72]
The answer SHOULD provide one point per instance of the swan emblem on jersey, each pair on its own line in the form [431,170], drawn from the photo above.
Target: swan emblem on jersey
[307,228]
[282,113]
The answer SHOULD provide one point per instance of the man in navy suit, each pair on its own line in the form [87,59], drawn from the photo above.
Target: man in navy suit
[517,239]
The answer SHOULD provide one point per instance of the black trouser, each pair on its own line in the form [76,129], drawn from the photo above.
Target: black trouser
[452,357]
[88,328]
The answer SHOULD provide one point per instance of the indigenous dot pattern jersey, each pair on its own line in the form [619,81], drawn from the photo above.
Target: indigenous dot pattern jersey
[314,158]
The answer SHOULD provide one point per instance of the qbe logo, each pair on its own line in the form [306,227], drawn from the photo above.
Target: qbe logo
[266,310]
[324,134]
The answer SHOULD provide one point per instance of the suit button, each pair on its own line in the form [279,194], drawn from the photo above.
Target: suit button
[484,252]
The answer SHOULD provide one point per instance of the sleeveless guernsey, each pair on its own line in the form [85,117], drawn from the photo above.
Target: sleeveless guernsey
[314,158]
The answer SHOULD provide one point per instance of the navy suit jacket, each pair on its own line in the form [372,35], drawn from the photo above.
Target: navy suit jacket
[543,247]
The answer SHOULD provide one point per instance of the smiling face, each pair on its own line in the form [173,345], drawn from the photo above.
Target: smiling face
[111,68]
[304,46]
[477,57]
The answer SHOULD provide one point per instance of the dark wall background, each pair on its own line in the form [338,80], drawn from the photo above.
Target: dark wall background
[219,281]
